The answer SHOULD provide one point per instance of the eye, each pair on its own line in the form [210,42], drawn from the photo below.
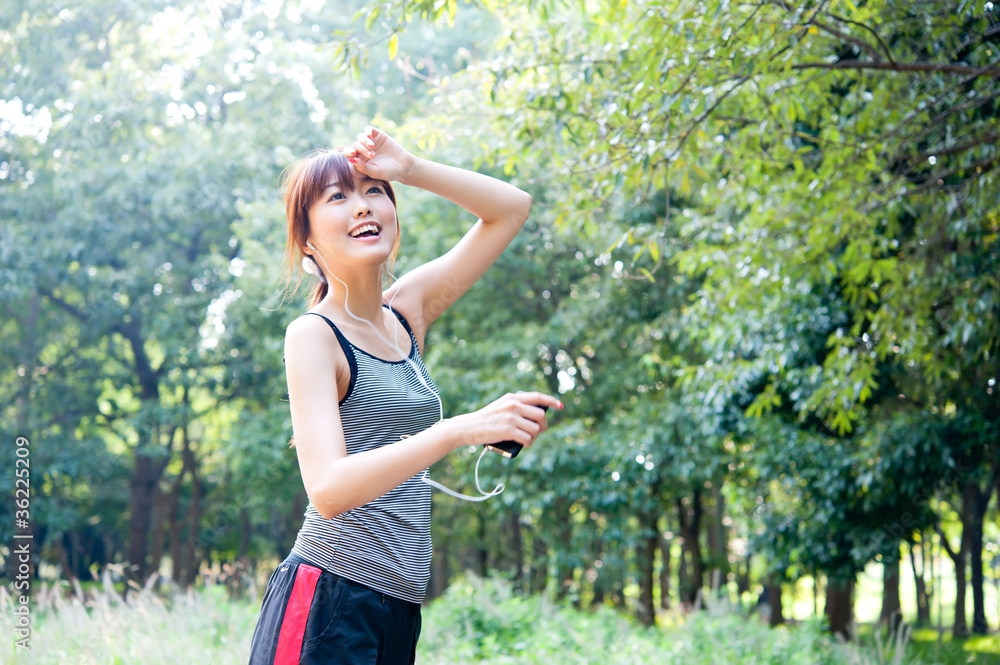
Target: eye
[336,196]
[374,189]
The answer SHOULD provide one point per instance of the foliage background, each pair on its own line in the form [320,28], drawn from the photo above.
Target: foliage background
[761,271]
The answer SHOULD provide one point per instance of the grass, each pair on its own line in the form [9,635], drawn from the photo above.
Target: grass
[475,622]
[198,626]
[482,621]
[978,649]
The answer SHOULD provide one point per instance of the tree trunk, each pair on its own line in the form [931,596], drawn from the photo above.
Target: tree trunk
[110,551]
[245,528]
[718,543]
[664,572]
[743,577]
[482,550]
[981,503]
[174,523]
[645,555]
[979,625]
[959,558]
[539,564]
[600,579]
[61,556]
[920,583]
[890,615]
[564,569]
[815,578]
[140,508]
[682,573]
[997,485]
[174,526]
[516,549]
[440,571]
[289,528]
[158,527]
[146,471]
[690,524]
[960,627]
[189,553]
[839,609]
[777,614]
[180,548]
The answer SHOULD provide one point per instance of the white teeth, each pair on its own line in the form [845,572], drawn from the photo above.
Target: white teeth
[363,229]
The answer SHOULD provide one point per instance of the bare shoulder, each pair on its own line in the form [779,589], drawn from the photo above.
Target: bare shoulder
[305,330]
[308,341]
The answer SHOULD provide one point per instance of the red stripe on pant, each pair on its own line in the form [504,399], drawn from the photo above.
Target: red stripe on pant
[293,625]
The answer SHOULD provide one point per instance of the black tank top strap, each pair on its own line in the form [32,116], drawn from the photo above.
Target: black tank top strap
[406,326]
[348,348]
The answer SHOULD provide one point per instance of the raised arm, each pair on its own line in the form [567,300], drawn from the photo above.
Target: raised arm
[426,292]
[337,482]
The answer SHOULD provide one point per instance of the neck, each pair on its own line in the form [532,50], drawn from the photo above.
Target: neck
[362,295]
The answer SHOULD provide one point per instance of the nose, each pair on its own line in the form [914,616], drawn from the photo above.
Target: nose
[361,207]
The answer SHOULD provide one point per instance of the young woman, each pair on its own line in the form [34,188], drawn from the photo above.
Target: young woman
[366,417]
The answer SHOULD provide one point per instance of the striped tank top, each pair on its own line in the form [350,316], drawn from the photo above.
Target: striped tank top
[386,543]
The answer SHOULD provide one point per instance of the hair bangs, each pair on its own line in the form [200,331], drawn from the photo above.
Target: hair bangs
[329,166]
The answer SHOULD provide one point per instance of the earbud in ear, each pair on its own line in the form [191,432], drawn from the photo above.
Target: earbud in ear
[310,246]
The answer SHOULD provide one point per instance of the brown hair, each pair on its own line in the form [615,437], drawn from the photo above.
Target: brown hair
[302,184]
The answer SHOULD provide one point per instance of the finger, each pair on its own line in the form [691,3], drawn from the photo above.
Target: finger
[533,414]
[361,152]
[539,399]
[536,429]
[543,424]
[366,141]
[526,431]
[527,418]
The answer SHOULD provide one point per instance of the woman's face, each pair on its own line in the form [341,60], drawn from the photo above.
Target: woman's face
[353,226]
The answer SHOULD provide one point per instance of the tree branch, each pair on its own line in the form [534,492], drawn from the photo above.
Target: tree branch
[944,543]
[989,138]
[935,122]
[860,43]
[929,67]
[912,160]
[697,121]
[931,182]
[885,48]
[972,40]
[984,163]
[65,306]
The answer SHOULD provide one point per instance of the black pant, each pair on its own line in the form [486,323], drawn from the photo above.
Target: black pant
[310,615]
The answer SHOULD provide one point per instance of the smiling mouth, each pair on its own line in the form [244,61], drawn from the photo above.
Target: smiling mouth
[366,231]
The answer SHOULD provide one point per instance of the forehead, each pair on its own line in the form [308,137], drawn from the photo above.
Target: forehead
[355,179]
